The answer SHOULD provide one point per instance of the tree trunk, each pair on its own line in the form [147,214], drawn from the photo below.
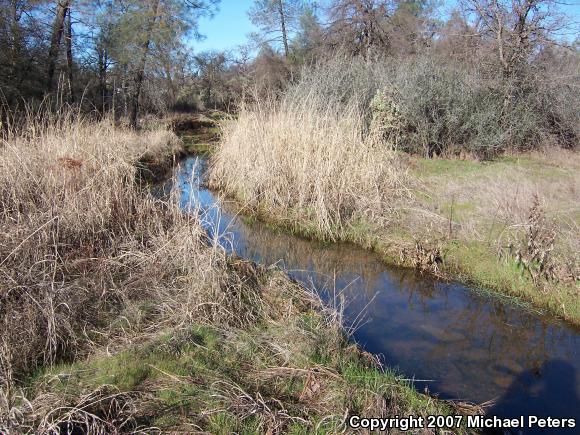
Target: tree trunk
[170,84]
[16,44]
[102,65]
[283,25]
[500,40]
[69,58]
[140,74]
[62,7]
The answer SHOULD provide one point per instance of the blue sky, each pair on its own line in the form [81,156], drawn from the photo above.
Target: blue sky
[228,28]
[231,25]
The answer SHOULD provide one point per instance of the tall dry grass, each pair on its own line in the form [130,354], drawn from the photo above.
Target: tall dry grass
[94,268]
[103,290]
[90,260]
[71,217]
[83,245]
[308,158]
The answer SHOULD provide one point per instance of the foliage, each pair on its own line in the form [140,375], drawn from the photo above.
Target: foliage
[423,105]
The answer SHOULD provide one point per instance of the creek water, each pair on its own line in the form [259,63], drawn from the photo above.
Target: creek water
[452,340]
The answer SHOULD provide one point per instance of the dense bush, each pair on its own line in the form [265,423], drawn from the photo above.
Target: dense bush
[428,107]
[443,110]
[340,82]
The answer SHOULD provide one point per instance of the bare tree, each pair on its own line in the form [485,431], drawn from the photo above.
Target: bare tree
[359,25]
[102,47]
[276,18]
[140,72]
[458,41]
[516,28]
[69,55]
[12,41]
[411,27]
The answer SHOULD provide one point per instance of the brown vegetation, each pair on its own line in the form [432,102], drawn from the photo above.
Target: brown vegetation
[71,216]
[296,158]
[118,316]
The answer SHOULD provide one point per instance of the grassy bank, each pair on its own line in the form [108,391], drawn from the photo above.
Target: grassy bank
[118,316]
[199,133]
[509,225]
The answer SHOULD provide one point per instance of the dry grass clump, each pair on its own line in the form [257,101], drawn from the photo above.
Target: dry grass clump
[305,157]
[82,243]
[71,216]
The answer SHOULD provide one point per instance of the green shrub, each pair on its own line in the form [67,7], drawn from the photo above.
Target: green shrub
[447,110]
[428,107]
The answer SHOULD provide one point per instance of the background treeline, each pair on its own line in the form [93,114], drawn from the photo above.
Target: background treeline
[124,55]
[486,75]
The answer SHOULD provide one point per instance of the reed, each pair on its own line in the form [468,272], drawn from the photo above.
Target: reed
[310,159]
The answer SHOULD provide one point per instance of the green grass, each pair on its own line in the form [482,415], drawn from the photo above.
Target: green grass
[431,167]
[206,378]
[476,263]
[452,169]
[178,368]
[196,145]
[203,139]
[457,210]
[183,355]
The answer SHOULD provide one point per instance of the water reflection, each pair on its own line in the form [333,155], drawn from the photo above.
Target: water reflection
[554,382]
[453,341]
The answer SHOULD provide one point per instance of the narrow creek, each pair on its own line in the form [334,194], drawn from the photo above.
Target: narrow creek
[454,341]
